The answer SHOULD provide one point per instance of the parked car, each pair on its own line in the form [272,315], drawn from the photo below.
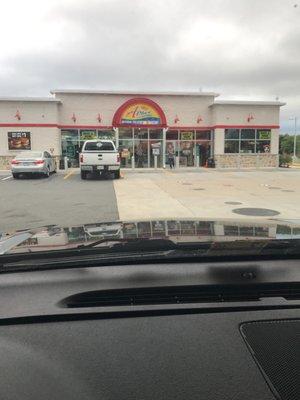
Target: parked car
[99,156]
[33,162]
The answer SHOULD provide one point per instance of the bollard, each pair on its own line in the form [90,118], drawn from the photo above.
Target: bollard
[66,163]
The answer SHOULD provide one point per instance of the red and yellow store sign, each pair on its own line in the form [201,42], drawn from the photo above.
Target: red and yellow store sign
[139,112]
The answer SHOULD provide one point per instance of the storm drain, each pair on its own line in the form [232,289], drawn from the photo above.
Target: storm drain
[256,212]
[233,203]
[274,187]
[288,190]
[198,189]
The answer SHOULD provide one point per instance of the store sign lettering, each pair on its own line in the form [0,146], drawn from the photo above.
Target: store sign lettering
[140,114]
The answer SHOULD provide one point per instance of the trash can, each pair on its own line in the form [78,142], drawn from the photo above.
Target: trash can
[210,163]
[61,163]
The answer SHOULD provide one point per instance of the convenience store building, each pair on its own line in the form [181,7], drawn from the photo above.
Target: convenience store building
[194,126]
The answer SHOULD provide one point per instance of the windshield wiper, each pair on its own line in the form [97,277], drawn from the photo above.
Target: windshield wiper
[135,243]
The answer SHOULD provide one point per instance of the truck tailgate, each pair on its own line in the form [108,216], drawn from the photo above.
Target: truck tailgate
[100,158]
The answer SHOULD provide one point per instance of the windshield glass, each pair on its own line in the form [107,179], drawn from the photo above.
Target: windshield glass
[129,121]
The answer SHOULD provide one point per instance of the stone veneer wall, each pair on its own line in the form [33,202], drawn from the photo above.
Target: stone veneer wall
[246,160]
[5,162]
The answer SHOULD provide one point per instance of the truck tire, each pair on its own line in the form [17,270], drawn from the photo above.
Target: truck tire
[15,175]
[117,174]
[83,174]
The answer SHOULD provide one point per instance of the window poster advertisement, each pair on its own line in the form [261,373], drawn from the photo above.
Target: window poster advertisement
[187,135]
[19,141]
[88,135]
[264,135]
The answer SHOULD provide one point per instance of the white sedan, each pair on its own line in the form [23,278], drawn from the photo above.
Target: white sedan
[33,162]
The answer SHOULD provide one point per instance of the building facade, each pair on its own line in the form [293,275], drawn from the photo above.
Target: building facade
[146,128]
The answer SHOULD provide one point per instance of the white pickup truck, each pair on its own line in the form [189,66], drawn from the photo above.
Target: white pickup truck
[99,156]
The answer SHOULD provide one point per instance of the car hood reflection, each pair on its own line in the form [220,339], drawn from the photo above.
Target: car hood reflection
[53,237]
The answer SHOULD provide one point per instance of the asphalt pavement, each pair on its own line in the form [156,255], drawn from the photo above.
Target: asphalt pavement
[61,199]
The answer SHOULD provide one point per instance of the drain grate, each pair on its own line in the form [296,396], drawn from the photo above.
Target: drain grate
[233,203]
[274,187]
[288,191]
[186,183]
[198,189]
[256,212]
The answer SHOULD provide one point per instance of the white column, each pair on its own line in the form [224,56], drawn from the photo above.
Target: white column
[117,136]
[274,141]
[164,147]
[219,136]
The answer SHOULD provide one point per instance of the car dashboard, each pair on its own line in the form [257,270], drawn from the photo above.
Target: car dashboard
[165,331]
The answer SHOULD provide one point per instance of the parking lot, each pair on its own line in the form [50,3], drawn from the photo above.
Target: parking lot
[62,199]
[66,200]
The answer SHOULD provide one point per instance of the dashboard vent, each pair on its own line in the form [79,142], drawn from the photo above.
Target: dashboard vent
[158,295]
[180,295]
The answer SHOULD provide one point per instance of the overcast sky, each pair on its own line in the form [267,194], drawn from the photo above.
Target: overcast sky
[247,49]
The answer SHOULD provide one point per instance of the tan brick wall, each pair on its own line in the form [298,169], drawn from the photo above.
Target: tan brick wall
[246,161]
[87,106]
[237,114]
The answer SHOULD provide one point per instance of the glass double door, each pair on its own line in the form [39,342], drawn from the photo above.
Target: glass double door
[70,147]
[188,153]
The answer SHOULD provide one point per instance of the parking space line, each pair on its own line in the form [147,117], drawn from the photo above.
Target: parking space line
[7,177]
[69,174]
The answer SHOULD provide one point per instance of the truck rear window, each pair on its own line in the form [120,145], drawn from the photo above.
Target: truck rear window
[99,146]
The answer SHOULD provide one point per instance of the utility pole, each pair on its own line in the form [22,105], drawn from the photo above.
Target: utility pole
[295,138]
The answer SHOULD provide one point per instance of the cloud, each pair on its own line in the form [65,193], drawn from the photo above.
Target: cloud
[236,47]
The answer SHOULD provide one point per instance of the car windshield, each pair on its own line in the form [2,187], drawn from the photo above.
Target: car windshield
[172,123]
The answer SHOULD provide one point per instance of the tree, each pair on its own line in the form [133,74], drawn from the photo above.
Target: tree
[286,144]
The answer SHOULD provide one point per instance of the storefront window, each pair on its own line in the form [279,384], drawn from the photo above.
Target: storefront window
[263,146]
[88,135]
[203,151]
[232,134]
[247,134]
[107,134]
[140,133]
[231,146]
[155,133]
[247,146]
[247,141]
[187,135]
[172,135]
[126,152]
[70,146]
[141,153]
[203,135]
[186,154]
[263,134]
[171,148]
[125,133]
[156,148]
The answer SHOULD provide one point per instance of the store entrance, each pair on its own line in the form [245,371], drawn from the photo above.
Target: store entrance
[202,153]
[70,147]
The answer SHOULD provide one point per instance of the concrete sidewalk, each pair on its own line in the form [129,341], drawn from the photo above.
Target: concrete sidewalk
[175,194]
